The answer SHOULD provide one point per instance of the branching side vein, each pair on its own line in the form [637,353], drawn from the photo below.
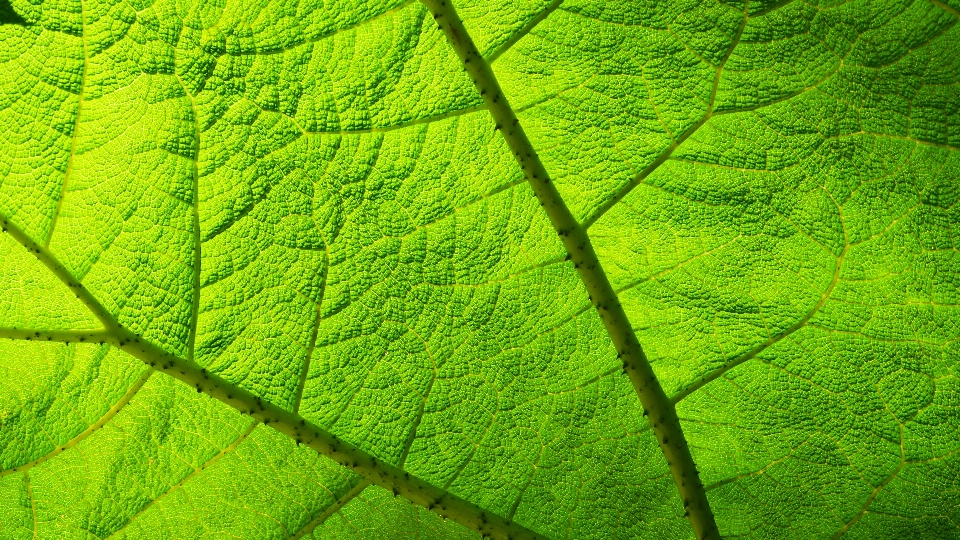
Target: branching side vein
[656,404]
[289,423]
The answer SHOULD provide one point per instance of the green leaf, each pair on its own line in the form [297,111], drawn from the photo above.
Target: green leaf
[383,269]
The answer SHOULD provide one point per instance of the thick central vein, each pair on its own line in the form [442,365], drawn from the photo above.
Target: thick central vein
[656,404]
[285,421]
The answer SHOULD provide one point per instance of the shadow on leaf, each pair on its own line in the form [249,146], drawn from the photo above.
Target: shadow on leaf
[9,16]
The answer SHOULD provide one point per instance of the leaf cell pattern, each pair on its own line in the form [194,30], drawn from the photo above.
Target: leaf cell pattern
[310,207]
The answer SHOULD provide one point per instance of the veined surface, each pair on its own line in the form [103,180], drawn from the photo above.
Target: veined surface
[309,207]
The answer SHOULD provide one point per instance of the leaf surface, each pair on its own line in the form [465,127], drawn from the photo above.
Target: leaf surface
[310,212]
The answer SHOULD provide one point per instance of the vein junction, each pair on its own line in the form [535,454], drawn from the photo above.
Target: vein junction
[291,424]
[656,404]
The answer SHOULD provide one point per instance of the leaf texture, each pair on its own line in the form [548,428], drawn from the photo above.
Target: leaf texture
[310,212]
